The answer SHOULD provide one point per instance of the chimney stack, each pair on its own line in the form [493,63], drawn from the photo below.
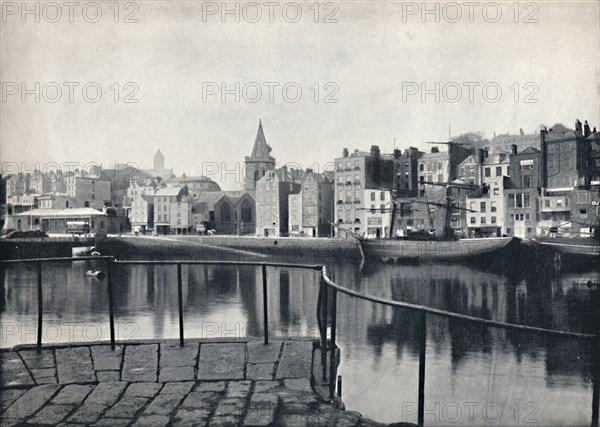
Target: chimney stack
[578,131]
[513,149]
[375,151]
[482,155]
[586,129]
[397,153]
[345,152]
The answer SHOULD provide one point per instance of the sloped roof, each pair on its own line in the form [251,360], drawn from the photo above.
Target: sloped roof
[261,149]
[530,150]
[210,198]
[330,175]
[168,191]
[62,212]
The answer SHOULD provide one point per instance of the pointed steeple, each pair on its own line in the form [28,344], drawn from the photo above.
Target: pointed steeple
[261,149]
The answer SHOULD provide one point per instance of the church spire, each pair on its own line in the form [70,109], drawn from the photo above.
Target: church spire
[261,149]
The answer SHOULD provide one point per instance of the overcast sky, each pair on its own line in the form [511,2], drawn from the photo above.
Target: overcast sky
[370,61]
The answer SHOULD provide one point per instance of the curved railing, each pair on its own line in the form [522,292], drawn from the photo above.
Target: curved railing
[327,286]
[322,303]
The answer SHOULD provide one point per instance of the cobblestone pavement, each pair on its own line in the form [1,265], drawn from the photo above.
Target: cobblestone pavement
[160,384]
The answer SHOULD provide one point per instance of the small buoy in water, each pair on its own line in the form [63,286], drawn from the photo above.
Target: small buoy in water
[95,274]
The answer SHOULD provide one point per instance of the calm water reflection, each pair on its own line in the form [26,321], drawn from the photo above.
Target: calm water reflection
[474,375]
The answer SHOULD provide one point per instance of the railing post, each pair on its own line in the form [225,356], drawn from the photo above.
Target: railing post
[111,312]
[422,348]
[265,304]
[332,343]
[40,307]
[595,379]
[180,303]
[324,291]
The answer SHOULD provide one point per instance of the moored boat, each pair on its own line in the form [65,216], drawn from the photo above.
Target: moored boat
[572,249]
[478,250]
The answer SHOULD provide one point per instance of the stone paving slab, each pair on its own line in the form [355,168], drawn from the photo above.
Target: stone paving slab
[14,372]
[45,359]
[260,371]
[222,361]
[258,352]
[106,394]
[7,398]
[30,402]
[106,359]
[161,384]
[73,394]
[172,355]
[148,390]
[51,414]
[140,363]
[87,413]
[104,376]
[296,360]
[74,365]
[176,373]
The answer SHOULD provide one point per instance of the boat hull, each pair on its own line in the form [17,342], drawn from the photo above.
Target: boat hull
[589,248]
[467,250]
[570,253]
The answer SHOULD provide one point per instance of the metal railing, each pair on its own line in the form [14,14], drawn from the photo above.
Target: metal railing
[111,261]
[322,302]
[327,286]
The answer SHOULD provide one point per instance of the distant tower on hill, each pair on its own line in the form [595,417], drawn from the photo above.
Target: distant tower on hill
[159,160]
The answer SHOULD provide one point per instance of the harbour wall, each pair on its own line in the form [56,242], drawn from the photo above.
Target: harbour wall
[230,248]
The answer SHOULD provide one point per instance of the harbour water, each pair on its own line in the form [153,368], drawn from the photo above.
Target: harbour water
[474,375]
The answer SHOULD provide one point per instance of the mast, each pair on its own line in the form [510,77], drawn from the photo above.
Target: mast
[448,232]
[393,193]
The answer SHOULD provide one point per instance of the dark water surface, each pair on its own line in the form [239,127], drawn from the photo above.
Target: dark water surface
[475,375]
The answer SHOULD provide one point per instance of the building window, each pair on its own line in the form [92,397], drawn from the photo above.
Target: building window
[225,213]
[382,196]
[382,208]
[583,213]
[482,207]
[583,198]
[473,220]
[547,203]
[246,212]
[493,220]
[488,172]
[372,196]
[483,220]
[493,207]
[498,170]
[527,217]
